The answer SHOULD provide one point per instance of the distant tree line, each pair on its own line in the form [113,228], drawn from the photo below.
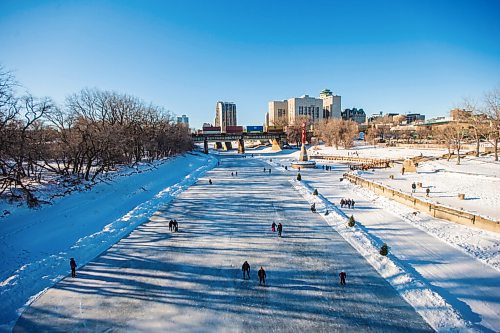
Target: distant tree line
[92,133]
[472,123]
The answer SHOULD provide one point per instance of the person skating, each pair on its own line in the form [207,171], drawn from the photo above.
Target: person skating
[72,264]
[210,181]
[176,226]
[427,192]
[313,207]
[246,269]
[342,276]
[262,276]
[342,203]
[352,204]
[280,229]
[413,187]
[273,227]
[170,225]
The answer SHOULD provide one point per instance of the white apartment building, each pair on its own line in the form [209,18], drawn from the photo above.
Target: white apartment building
[278,113]
[225,115]
[327,106]
[305,106]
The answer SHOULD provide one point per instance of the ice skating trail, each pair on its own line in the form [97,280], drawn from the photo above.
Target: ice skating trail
[191,281]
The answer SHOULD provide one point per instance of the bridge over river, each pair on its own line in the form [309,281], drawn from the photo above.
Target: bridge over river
[277,138]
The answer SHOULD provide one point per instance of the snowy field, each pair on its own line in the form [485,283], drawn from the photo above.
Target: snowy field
[477,177]
[448,273]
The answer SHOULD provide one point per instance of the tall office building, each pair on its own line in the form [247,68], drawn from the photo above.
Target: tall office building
[331,104]
[183,120]
[225,115]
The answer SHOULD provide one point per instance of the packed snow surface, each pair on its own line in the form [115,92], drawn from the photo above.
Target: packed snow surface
[155,280]
[191,281]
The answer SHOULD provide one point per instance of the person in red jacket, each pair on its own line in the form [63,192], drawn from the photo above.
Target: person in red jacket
[72,264]
[342,276]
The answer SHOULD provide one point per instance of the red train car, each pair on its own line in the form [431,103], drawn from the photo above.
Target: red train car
[234,129]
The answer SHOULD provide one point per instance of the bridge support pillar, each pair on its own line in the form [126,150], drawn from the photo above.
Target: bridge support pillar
[205,146]
[277,145]
[241,146]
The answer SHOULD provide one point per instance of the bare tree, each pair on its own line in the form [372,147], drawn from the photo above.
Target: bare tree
[492,110]
[348,133]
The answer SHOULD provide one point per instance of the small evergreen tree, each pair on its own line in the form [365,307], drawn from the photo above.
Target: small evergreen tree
[299,177]
[351,222]
[315,191]
[384,249]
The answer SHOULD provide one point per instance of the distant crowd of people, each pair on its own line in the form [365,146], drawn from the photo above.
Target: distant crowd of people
[349,203]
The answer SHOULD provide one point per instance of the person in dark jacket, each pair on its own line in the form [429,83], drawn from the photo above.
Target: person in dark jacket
[72,264]
[280,229]
[413,187]
[342,276]
[262,276]
[246,269]
[170,225]
[273,227]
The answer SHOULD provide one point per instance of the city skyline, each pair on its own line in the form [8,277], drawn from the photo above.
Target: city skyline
[391,56]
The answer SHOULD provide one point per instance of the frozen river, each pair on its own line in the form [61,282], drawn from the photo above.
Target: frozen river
[191,281]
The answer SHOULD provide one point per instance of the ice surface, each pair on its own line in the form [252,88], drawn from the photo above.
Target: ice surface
[191,281]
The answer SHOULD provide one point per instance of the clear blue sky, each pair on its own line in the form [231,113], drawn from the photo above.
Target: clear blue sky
[391,56]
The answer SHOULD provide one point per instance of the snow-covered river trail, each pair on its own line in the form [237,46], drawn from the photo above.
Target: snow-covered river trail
[191,281]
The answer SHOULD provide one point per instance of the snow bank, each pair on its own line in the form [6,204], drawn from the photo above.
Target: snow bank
[26,283]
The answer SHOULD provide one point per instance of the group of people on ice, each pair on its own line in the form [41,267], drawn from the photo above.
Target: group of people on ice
[278,227]
[349,203]
[173,225]
[246,273]
[262,274]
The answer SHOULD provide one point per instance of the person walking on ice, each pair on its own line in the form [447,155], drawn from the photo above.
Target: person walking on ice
[273,227]
[427,191]
[262,276]
[413,187]
[72,264]
[342,276]
[246,269]
[280,229]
